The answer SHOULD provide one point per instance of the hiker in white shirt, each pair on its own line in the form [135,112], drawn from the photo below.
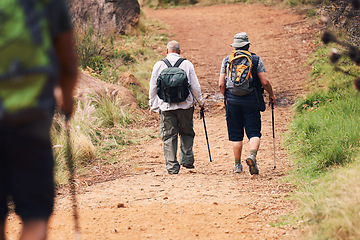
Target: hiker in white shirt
[176,118]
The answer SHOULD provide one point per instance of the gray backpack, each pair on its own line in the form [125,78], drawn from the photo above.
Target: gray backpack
[238,73]
[172,83]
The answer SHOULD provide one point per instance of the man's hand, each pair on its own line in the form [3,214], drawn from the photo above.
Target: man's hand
[64,104]
[202,115]
[272,99]
[67,57]
[222,83]
[68,106]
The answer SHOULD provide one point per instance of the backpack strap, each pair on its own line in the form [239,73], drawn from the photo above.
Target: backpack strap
[168,64]
[177,64]
[179,61]
[233,56]
[256,82]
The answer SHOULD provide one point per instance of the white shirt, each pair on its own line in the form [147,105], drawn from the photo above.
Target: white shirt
[157,104]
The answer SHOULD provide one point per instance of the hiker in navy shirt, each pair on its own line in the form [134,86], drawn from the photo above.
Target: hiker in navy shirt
[243,110]
[26,161]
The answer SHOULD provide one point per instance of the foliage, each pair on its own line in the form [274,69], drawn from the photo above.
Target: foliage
[107,56]
[324,142]
[96,51]
[324,131]
[344,14]
[327,134]
[100,124]
[109,110]
[84,150]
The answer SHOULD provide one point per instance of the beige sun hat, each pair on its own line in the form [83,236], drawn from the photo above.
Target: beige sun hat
[240,40]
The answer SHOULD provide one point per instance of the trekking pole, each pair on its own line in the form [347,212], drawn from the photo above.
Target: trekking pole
[273,129]
[70,165]
[202,116]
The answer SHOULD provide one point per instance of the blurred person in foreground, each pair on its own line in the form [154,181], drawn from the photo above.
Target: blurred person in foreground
[29,72]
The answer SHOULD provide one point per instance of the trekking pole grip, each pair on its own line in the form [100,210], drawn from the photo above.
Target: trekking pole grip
[271,104]
[202,114]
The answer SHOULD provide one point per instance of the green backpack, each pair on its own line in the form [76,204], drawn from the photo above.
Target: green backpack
[26,62]
[172,83]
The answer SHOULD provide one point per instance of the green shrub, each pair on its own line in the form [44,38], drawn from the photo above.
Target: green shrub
[109,110]
[89,46]
[324,143]
[312,101]
[325,130]
[327,134]
[83,150]
[141,96]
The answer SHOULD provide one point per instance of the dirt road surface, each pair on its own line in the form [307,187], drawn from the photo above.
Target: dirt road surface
[210,202]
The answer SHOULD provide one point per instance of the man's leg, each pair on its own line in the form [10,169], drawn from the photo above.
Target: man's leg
[237,148]
[251,159]
[34,230]
[187,134]
[32,179]
[4,171]
[2,230]
[235,125]
[254,145]
[186,154]
[253,131]
[169,135]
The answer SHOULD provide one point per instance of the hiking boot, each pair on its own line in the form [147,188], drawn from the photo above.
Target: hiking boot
[190,166]
[251,162]
[238,168]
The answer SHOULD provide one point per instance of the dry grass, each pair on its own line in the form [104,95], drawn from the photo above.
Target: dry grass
[333,209]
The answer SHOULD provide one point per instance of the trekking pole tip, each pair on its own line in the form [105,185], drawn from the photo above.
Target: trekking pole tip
[77,235]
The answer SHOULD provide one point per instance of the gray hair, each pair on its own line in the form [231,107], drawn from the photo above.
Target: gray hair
[173,46]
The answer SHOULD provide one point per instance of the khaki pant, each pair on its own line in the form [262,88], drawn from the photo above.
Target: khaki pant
[176,123]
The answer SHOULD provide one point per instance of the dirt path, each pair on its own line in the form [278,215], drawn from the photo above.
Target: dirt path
[211,202]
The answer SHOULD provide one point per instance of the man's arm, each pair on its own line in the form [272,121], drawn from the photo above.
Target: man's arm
[267,86]
[222,76]
[153,104]
[68,69]
[222,83]
[195,86]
